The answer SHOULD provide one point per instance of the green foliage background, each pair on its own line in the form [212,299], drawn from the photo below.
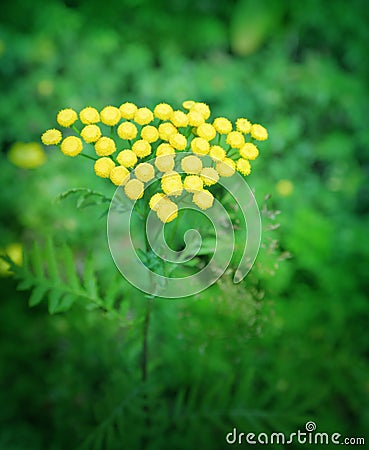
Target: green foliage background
[290,344]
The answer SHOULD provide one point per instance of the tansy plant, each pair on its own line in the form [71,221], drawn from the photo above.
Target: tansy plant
[121,142]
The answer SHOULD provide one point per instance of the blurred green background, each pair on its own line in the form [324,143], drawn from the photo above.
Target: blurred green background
[289,345]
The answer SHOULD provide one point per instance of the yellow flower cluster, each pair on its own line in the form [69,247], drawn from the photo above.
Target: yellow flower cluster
[125,138]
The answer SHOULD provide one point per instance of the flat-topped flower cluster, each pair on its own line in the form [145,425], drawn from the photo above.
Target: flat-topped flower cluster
[125,139]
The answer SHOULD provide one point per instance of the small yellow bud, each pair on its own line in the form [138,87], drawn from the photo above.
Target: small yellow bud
[66,117]
[127,158]
[243,125]
[193,183]
[217,153]
[163,111]
[179,119]
[71,146]
[144,172]
[149,133]
[200,146]
[103,167]
[209,176]
[249,151]
[178,141]
[134,189]
[142,148]
[206,131]
[90,133]
[226,168]
[235,139]
[258,132]
[119,175]
[243,166]
[127,130]
[105,146]
[203,199]
[89,115]
[127,110]
[191,164]
[110,115]
[143,116]
[51,137]
[222,125]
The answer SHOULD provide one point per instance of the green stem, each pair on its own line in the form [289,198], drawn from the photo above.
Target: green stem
[88,156]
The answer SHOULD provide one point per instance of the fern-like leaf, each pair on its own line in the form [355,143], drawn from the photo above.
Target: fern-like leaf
[50,273]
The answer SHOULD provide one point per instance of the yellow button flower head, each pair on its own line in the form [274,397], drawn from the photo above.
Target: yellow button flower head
[165,149]
[142,148]
[179,119]
[243,125]
[150,133]
[127,130]
[103,167]
[243,166]
[143,116]
[134,189]
[200,146]
[222,125]
[171,183]
[27,155]
[51,137]
[144,172]
[209,176]
[258,132]
[127,158]
[119,175]
[89,115]
[188,104]
[235,139]
[191,164]
[217,153]
[155,199]
[178,141]
[90,133]
[203,199]
[193,183]
[166,130]
[195,119]
[66,117]
[249,151]
[201,108]
[226,168]
[164,163]
[71,146]
[105,146]
[167,210]
[110,115]
[163,111]
[206,131]
[128,110]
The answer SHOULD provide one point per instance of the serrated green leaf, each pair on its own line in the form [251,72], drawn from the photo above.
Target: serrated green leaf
[54,300]
[25,284]
[36,261]
[37,295]
[90,279]
[66,302]
[69,267]
[51,263]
